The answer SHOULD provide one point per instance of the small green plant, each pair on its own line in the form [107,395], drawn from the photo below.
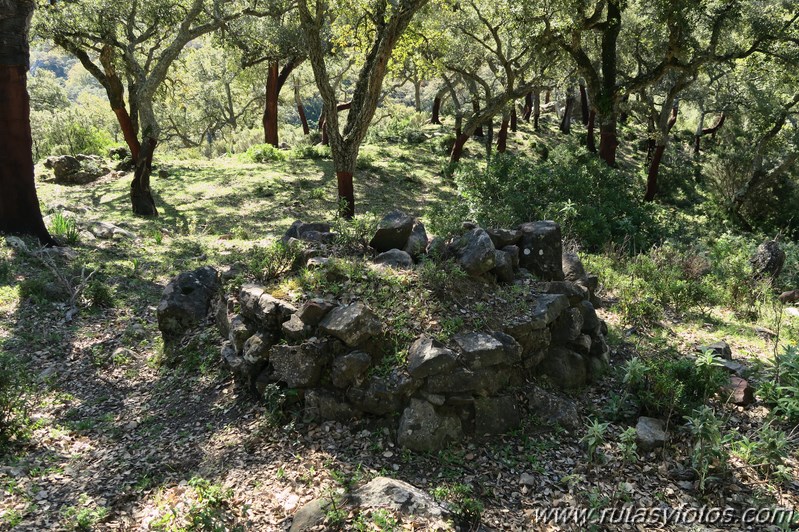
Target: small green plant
[781,387]
[354,235]
[594,439]
[629,447]
[62,226]
[460,499]
[378,519]
[99,294]
[83,516]
[15,423]
[270,262]
[709,453]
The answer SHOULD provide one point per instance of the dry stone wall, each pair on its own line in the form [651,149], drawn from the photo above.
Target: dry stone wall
[328,352]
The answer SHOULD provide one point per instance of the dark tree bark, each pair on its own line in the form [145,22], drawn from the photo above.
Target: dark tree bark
[584,112]
[624,115]
[547,96]
[476,110]
[712,130]
[300,108]
[537,110]
[19,204]
[457,148]
[502,137]
[606,100]
[654,166]
[566,121]
[141,196]
[434,118]
[514,120]
[528,107]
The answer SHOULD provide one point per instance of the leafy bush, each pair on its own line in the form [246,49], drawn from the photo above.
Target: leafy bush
[261,153]
[593,203]
[403,125]
[709,452]
[270,262]
[62,226]
[662,385]
[781,388]
[310,151]
[354,235]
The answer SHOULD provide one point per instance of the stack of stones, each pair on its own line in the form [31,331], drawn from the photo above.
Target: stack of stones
[327,351]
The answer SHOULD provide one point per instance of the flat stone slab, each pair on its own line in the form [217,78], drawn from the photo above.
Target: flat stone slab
[428,357]
[353,324]
[650,433]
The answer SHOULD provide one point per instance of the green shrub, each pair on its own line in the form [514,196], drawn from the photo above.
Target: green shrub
[780,388]
[261,153]
[709,453]
[268,263]
[663,385]
[310,151]
[354,235]
[593,203]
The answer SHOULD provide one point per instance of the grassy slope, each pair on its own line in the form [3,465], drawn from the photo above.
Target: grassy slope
[113,431]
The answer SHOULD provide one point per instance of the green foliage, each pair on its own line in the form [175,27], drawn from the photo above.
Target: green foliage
[663,385]
[629,447]
[461,501]
[594,438]
[766,452]
[210,508]
[78,129]
[780,388]
[378,519]
[593,203]
[62,226]
[354,235]
[14,419]
[100,294]
[261,153]
[310,151]
[85,516]
[270,262]
[709,452]
[403,124]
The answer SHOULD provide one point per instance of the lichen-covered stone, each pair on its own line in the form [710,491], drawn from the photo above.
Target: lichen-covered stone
[350,369]
[384,395]
[567,369]
[423,429]
[483,382]
[239,330]
[542,250]
[417,241]
[299,366]
[353,324]
[504,237]
[475,252]
[428,357]
[325,406]
[314,310]
[503,268]
[395,258]
[295,330]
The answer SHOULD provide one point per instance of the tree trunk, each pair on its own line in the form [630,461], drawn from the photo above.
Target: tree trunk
[528,107]
[270,105]
[537,110]
[547,96]
[300,108]
[434,118]
[565,123]
[417,95]
[458,124]
[712,130]
[624,115]
[457,148]
[514,121]
[344,162]
[476,109]
[141,197]
[608,141]
[698,134]
[590,142]
[502,137]
[584,112]
[654,166]
[19,204]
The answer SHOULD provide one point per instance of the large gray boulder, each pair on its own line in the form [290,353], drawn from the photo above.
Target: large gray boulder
[78,170]
[481,350]
[553,408]
[261,307]
[384,395]
[185,302]
[423,429]
[353,324]
[542,250]
[475,252]
[392,231]
[350,369]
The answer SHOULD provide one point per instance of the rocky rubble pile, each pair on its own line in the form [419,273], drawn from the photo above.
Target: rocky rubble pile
[329,351]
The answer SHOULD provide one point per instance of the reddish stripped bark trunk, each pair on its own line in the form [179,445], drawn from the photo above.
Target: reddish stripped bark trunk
[128,132]
[457,148]
[502,138]
[270,105]
[19,204]
[590,141]
[346,193]
[434,118]
[708,131]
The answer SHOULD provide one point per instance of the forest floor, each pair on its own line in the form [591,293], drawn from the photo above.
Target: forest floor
[118,441]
